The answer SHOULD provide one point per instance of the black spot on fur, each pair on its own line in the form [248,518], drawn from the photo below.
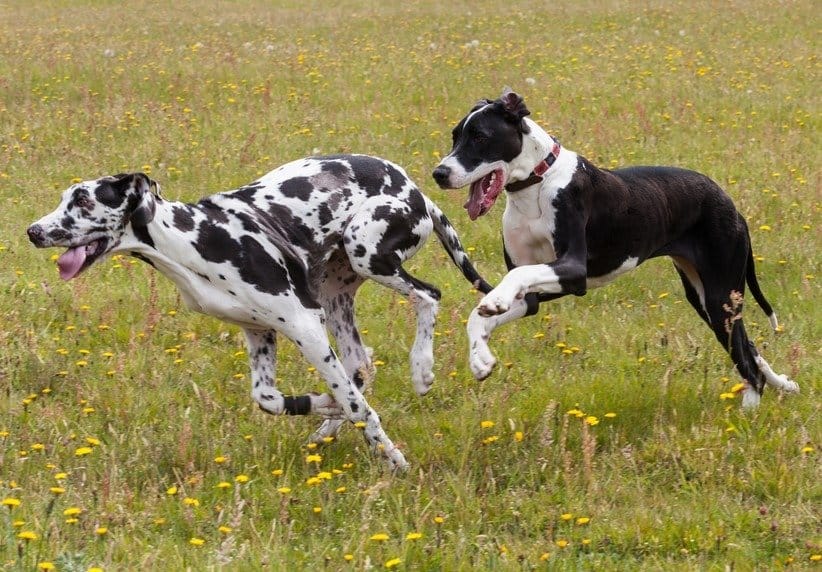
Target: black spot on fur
[107,195]
[297,188]
[183,218]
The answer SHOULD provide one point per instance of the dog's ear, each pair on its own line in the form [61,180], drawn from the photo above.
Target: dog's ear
[146,206]
[513,105]
[481,103]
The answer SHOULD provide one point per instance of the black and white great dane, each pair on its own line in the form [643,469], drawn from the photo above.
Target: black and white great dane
[284,254]
[569,226]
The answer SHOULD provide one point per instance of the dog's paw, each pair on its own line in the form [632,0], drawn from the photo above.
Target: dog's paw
[493,305]
[481,360]
[329,429]
[422,372]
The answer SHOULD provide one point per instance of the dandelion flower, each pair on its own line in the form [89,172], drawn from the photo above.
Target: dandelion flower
[314,459]
[562,543]
[610,415]
[220,459]
[340,490]
[348,557]
[284,490]
[82,451]
[101,531]
[277,472]
[225,529]
[583,520]
[519,436]
[171,491]
[11,502]
[241,478]
[592,420]
[27,535]
[393,563]
[438,519]
[807,449]
[379,537]
[317,509]
[413,536]
[566,516]
[194,541]
[544,556]
[72,511]
[45,566]
[188,501]
[224,485]
[57,490]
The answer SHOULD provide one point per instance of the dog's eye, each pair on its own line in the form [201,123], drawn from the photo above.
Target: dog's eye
[479,137]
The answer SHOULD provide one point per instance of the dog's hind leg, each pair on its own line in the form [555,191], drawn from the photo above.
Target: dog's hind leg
[377,245]
[723,306]
[337,292]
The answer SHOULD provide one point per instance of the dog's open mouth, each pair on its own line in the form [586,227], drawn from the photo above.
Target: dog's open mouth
[78,258]
[483,193]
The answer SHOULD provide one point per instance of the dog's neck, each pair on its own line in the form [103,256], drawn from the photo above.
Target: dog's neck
[539,153]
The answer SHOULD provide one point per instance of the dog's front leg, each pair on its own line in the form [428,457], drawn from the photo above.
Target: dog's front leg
[262,353]
[564,276]
[479,328]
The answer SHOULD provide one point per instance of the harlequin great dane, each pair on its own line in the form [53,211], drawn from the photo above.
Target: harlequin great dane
[569,226]
[285,254]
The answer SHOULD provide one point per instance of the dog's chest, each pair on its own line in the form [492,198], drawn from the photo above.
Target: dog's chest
[528,226]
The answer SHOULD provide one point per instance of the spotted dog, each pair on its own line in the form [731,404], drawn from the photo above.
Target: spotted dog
[569,226]
[285,254]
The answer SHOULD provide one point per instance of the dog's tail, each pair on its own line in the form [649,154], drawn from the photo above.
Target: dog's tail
[451,241]
[757,293]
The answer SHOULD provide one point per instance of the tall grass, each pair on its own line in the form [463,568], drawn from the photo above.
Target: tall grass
[601,442]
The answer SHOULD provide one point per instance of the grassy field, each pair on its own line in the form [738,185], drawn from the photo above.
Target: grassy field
[605,440]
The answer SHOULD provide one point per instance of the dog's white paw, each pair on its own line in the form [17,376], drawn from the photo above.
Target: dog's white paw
[481,360]
[422,369]
[330,428]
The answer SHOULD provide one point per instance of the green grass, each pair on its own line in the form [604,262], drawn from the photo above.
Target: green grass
[206,96]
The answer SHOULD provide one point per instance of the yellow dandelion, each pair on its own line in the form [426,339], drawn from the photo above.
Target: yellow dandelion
[360,424]
[82,451]
[340,490]
[807,449]
[277,472]
[314,459]
[519,436]
[727,395]
[348,557]
[583,520]
[45,566]
[194,541]
[487,424]
[57,490]
[223,485]
[413,536]
[566,516]
[101,531]
[171,491]
[393,563]
[27,535]
[72,511]
[610,415]
[11,502]
[284,490]
[379,537]
[562,543]
[816,557]
[490,439]
[225,529]
[312,481]
[188,501]
[38,447]
[317,509]
[438,519]
[220,459]
[241,478]
[738,387]
[92,441]
[592,420]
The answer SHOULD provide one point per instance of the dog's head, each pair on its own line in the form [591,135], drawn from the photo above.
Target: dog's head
[486,144]
[92,218]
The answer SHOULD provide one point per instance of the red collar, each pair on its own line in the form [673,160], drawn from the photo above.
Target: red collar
[536,175]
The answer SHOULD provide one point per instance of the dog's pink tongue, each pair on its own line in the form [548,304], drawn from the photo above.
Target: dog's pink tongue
[474,204]
[71,261]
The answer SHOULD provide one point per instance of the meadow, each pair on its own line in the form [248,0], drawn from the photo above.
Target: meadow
[609,438]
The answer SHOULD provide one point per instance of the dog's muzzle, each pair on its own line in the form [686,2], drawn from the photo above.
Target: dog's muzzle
[37,235]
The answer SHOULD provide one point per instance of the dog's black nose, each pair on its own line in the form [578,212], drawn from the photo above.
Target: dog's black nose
[441,175]
[36,234]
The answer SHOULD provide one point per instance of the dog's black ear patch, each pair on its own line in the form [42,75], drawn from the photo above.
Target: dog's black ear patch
[514,107]
[142,199]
